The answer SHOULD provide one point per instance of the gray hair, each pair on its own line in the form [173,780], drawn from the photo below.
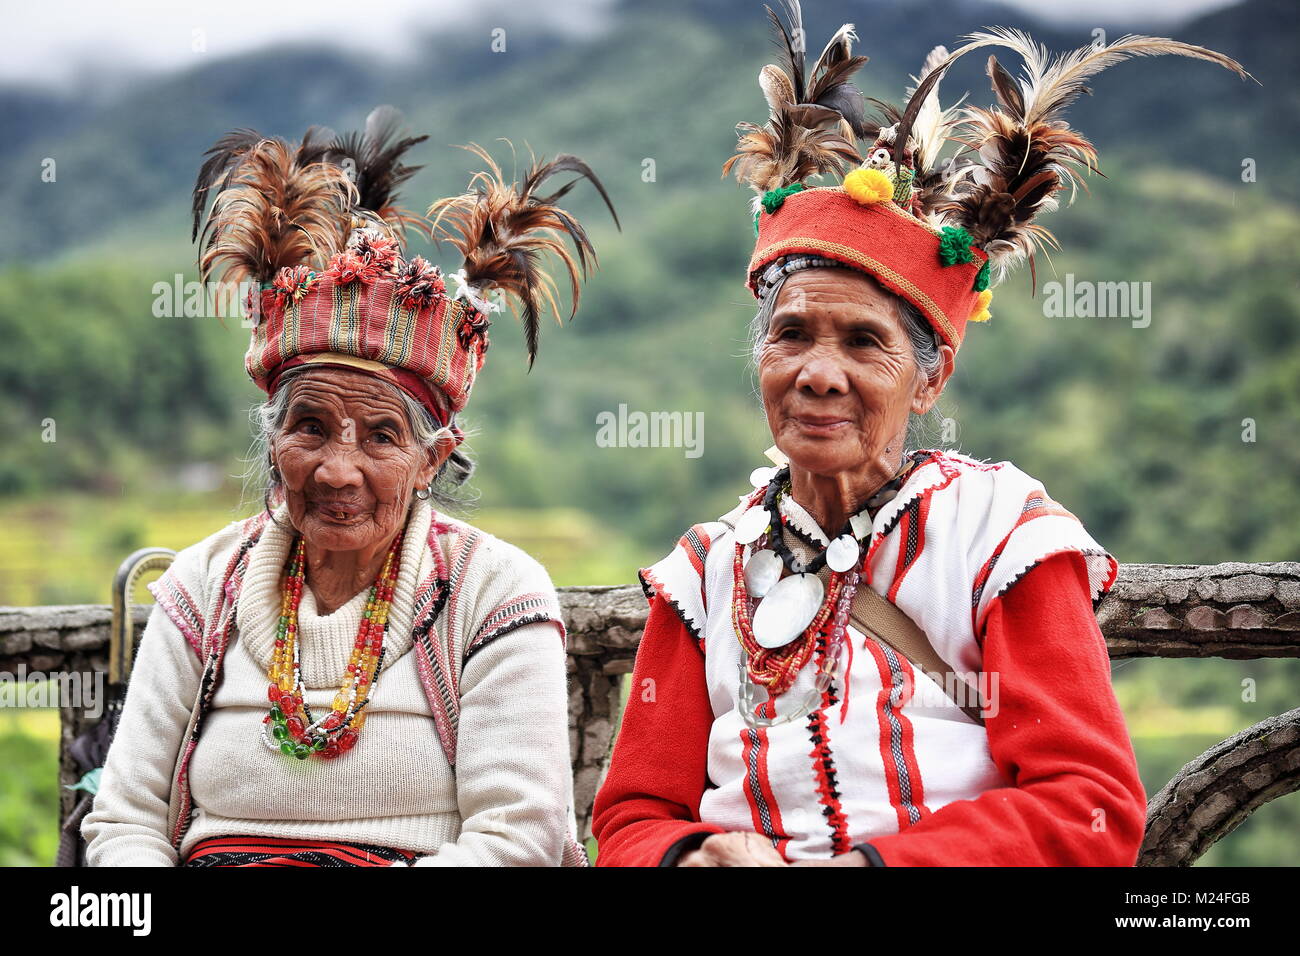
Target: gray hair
[268,418]
[922,430]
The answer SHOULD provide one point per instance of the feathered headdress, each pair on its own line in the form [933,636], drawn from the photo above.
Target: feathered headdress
[938,233]
[505,229]
[318,228]
[1027,151]
[927,127]
[374,161]
[814,120]
[276,205]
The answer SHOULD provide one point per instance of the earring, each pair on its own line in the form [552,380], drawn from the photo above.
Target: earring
[275,472]
[423,493]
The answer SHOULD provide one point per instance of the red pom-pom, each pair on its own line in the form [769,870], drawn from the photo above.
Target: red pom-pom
[473,327]
[377,249]
[291,283]
[418,283]
[346,267]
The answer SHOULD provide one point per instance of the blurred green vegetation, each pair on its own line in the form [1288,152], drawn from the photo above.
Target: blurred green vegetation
[29,799]
[123,429]
[1178,709]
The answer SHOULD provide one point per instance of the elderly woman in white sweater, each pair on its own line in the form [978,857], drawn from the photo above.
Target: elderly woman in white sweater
[350,677]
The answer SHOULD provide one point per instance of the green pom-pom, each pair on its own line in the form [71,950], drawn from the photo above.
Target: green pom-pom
[982,278]
[954,246]
[757,213]
[772,199]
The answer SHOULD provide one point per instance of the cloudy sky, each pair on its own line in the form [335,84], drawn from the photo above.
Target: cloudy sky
[61,40]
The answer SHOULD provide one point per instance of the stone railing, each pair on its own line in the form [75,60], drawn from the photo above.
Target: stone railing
[1227,610]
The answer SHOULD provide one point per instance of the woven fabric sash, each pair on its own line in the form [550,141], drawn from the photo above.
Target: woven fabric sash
[276,851]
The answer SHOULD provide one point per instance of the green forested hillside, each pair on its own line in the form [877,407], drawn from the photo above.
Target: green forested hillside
[1139,429]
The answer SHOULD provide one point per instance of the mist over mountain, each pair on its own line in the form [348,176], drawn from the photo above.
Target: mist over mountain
[125,157]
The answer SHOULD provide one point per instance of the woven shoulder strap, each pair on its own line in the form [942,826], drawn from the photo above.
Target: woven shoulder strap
[881,619]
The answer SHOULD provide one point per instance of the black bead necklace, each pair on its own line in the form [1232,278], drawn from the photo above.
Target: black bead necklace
[780,484]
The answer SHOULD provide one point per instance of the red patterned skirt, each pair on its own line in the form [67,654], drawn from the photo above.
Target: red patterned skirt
[274,851]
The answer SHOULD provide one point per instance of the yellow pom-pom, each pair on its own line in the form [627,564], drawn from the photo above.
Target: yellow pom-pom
[868,186]
[981,311]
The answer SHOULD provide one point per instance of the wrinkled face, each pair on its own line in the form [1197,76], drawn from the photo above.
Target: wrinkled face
[837,373]
[348,459]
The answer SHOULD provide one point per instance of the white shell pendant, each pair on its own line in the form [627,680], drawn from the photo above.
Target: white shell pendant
[760,476]
[861,525]
[752,524]
[843,553]
[787,610]
[762,570]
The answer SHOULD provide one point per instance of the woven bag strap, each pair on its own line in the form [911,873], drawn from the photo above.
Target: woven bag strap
[880,618]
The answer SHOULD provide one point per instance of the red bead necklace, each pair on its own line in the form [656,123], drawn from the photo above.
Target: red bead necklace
[777,668]
[289,727]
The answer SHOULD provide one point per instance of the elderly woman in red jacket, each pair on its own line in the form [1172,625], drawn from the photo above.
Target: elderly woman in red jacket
[881,657]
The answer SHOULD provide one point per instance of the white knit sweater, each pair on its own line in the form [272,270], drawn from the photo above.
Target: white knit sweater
[507,801]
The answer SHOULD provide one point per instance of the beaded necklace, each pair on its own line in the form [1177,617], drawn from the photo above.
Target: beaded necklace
[290,727]
[777,668]
[855,530]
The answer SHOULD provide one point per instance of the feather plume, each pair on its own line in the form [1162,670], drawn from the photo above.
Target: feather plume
[504,229]
[932,121]
[931,129]
[221,159]
[1049,88]
[225,156]
[375,157]
[935,66]
[813,118]
[352,178]
[273,210]
[889,116]
[1027,152]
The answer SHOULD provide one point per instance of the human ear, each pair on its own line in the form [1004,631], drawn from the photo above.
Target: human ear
[929,390]
[435,457]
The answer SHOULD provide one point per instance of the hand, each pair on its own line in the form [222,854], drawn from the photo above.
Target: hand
[733,849]
[852,858]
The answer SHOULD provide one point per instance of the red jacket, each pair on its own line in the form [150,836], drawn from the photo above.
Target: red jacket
[1058,734]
